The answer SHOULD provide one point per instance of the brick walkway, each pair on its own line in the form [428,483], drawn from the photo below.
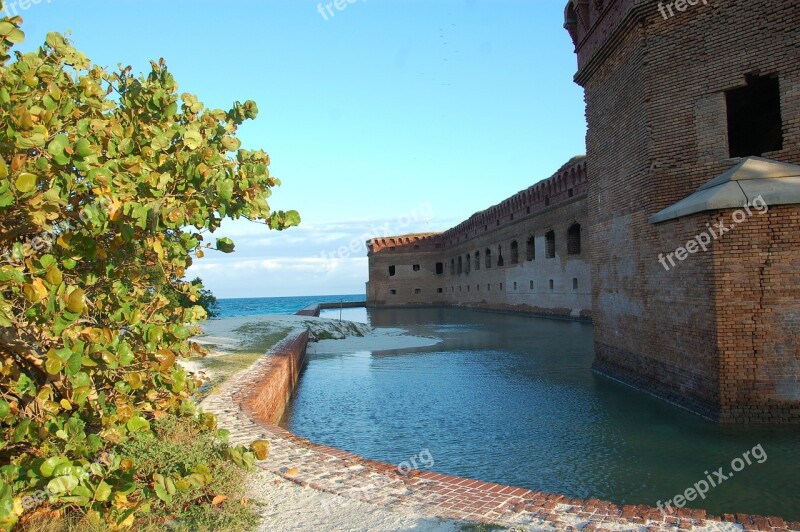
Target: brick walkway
[352,477]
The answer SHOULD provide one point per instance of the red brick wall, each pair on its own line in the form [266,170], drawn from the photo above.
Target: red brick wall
[270,394]
[655,97]
[758,317]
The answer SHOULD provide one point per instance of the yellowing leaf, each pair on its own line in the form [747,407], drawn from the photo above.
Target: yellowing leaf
[25,183]
[75,300]
[260,448]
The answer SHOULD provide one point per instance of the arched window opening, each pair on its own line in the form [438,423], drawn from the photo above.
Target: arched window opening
[530,252]
[514,252]
[488,258]
[550,244]
[574,240]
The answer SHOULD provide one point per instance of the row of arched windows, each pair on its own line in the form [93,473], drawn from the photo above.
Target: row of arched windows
[463,264]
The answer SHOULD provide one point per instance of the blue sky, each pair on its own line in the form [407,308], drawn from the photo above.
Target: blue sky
[390,116]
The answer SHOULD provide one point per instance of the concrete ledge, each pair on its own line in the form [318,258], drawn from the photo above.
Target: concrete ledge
[776,183]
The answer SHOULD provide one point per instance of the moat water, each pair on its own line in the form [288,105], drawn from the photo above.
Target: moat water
[512,399]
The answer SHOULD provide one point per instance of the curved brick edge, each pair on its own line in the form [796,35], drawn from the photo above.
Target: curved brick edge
[251,403]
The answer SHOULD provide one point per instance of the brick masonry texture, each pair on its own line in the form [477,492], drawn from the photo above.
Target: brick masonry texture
[718,333]
[242,406]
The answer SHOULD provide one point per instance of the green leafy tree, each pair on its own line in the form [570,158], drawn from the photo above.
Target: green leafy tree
[105,178]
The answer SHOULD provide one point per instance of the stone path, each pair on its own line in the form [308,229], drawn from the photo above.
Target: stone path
[352,477]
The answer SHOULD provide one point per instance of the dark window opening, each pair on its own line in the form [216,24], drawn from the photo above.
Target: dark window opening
[515,285]
[439,268]
[528,210]
[477,261]
[551,284]
[488,288]
[514,252]
[417,291]
[547,201]
[530,252]
[501,287]
[452,266]
[460,266]
[393,292]
[574,283]
[550,244]
[755,125]
[392,271]
[500,260]
[488,262]
[439,290]
[574,240]
[468,264]
[531,285]
[512,217]
[415,267]
[570,193]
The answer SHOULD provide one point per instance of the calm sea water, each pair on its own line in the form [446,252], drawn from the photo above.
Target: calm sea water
[229,308]
[512,399]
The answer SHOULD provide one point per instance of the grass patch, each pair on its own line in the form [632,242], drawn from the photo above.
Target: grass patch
[177,447]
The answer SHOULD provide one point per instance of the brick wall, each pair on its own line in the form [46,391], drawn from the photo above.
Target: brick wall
[656,112]
[276,378]
[558,285]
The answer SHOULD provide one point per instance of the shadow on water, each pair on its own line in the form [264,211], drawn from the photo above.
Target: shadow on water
[513,399]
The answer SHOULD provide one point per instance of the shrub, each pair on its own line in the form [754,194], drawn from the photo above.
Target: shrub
[109,184]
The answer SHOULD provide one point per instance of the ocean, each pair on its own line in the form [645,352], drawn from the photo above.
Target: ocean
[253,306]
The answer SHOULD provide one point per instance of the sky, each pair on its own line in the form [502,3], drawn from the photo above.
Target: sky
[385,117]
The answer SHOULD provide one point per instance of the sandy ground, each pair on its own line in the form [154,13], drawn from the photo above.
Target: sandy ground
[286,505]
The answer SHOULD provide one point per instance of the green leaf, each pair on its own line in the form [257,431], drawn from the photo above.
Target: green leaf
[5,408]
[58,145]
[3,169]
[137,423]
[162,494]
[64,484]
[83,148]
[193,139]
[48,467]
[103,491]
[21,431]
[225,245]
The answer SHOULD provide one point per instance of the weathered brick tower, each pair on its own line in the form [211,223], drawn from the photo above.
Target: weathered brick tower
[678,93]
